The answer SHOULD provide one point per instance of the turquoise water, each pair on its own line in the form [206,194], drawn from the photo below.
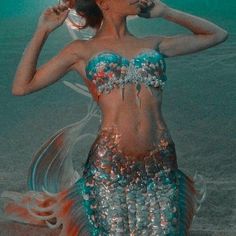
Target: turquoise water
[214,8]
[198,105]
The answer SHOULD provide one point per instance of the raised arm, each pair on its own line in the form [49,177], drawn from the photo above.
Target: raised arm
[28,77]
[205,34]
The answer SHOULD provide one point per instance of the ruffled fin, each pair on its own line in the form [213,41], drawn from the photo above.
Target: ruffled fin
[55,188]
[201,189]
[192,193]
[65,210]
[52,166]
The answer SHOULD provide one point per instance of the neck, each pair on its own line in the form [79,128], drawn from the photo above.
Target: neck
[113,27]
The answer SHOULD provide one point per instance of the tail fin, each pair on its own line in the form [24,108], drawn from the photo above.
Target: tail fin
[51,168]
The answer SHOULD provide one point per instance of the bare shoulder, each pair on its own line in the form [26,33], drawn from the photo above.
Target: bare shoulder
[74,48]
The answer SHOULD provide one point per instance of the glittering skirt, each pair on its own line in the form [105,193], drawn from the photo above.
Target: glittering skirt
[117,194]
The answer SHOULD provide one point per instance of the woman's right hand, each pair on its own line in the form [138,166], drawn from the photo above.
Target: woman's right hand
[53,17]
[152,8]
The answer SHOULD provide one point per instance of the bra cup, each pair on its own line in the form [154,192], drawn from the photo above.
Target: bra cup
[104,63]
[108,70]
[107,62]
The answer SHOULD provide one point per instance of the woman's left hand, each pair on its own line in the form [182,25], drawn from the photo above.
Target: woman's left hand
[152,8]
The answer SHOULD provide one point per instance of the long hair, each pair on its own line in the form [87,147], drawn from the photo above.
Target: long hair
[89,10]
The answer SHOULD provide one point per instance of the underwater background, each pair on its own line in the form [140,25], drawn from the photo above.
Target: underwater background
[198,106]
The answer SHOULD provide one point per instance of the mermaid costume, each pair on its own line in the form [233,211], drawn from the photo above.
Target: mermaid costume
[116,194]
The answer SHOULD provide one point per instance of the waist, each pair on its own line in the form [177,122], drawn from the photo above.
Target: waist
[133,144]
[138,133]
[108,159]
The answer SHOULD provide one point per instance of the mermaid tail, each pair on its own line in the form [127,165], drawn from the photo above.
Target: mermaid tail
[51,166]
[192,193]
[72,207]
[50,175]
[115,195]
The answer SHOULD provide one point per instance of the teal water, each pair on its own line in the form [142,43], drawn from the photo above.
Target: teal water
[198,104]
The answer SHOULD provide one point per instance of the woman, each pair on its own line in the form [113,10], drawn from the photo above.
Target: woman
[131,184]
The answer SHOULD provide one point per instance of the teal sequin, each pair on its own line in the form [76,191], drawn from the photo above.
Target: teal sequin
[109,70]
[148,196]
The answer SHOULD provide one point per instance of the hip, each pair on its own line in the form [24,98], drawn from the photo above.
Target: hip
[110,159]
[133,143]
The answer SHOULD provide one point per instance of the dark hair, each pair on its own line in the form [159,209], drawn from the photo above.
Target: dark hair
[89,10]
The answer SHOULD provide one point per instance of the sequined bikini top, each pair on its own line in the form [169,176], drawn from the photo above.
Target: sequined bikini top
[108,70]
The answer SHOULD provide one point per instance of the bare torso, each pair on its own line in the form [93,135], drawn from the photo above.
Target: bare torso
[139,126]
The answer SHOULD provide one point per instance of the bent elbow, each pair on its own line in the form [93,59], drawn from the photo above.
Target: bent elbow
[222,36]
[18,91]
[226,35]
